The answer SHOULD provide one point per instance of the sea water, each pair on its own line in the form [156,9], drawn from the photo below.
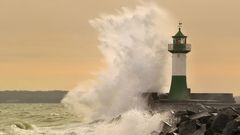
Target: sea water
[54,119]
[30,118]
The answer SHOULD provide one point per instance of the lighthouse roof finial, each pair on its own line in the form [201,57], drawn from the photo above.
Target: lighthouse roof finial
[179,33]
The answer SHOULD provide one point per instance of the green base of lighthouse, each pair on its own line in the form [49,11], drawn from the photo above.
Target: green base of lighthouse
[179,90]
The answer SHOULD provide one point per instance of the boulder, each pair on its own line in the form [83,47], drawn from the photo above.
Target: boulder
[231,128]
[201,116]
[210,121]
[187,127]
[220,122]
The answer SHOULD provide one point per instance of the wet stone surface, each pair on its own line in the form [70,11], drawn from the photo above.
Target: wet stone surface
[207,121]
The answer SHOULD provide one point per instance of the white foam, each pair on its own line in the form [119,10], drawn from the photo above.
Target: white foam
[134,45]
[132,122]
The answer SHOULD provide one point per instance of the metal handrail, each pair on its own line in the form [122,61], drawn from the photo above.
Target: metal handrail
[187,47]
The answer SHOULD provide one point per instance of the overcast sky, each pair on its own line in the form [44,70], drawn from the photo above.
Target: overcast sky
[49,44]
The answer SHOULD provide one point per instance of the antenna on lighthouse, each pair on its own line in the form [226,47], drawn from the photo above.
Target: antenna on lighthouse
[179,25]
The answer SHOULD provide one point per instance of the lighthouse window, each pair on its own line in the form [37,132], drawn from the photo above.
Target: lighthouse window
[182,40]
[177,41]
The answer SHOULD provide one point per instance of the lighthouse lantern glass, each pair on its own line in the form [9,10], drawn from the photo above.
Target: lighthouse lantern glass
[179,41]
[183,40]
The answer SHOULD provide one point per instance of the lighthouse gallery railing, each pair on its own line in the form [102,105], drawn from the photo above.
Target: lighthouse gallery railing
[181,47]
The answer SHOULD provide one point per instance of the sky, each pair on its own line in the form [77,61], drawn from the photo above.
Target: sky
[49,44]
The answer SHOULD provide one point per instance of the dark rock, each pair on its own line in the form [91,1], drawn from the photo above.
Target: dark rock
[171,134]
[220,122]
[204,120]
[180,113]
[187,127]
[209,122]
[207,108]
[199,115]
[238,119]
[201,130]
[198,124]
[184,118]
[211,109]
[187,112]
[209,132]
[202,117]
[238,110]
[174,130]
[162,133]
[190,112]
[231,112]
[231,128]
[238,131]
[166,127]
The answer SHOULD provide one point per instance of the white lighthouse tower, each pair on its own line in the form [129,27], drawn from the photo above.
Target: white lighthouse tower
[179,50]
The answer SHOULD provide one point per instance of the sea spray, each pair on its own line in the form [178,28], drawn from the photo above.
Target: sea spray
[133,122]
[134,45]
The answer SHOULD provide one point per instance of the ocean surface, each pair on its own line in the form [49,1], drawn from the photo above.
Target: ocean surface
[34,119]
[54,119]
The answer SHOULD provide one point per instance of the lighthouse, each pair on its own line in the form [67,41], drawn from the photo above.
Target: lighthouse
[179,49]
[179,90]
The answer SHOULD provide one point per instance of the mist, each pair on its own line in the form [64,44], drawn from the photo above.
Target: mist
[134,45]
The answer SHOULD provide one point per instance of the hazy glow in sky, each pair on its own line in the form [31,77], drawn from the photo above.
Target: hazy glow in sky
[50,45]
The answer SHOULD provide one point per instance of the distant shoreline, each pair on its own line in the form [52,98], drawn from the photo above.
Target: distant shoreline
[51,96]
[24,96]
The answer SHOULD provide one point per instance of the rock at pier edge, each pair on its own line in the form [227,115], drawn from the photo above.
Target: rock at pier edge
[205,120]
